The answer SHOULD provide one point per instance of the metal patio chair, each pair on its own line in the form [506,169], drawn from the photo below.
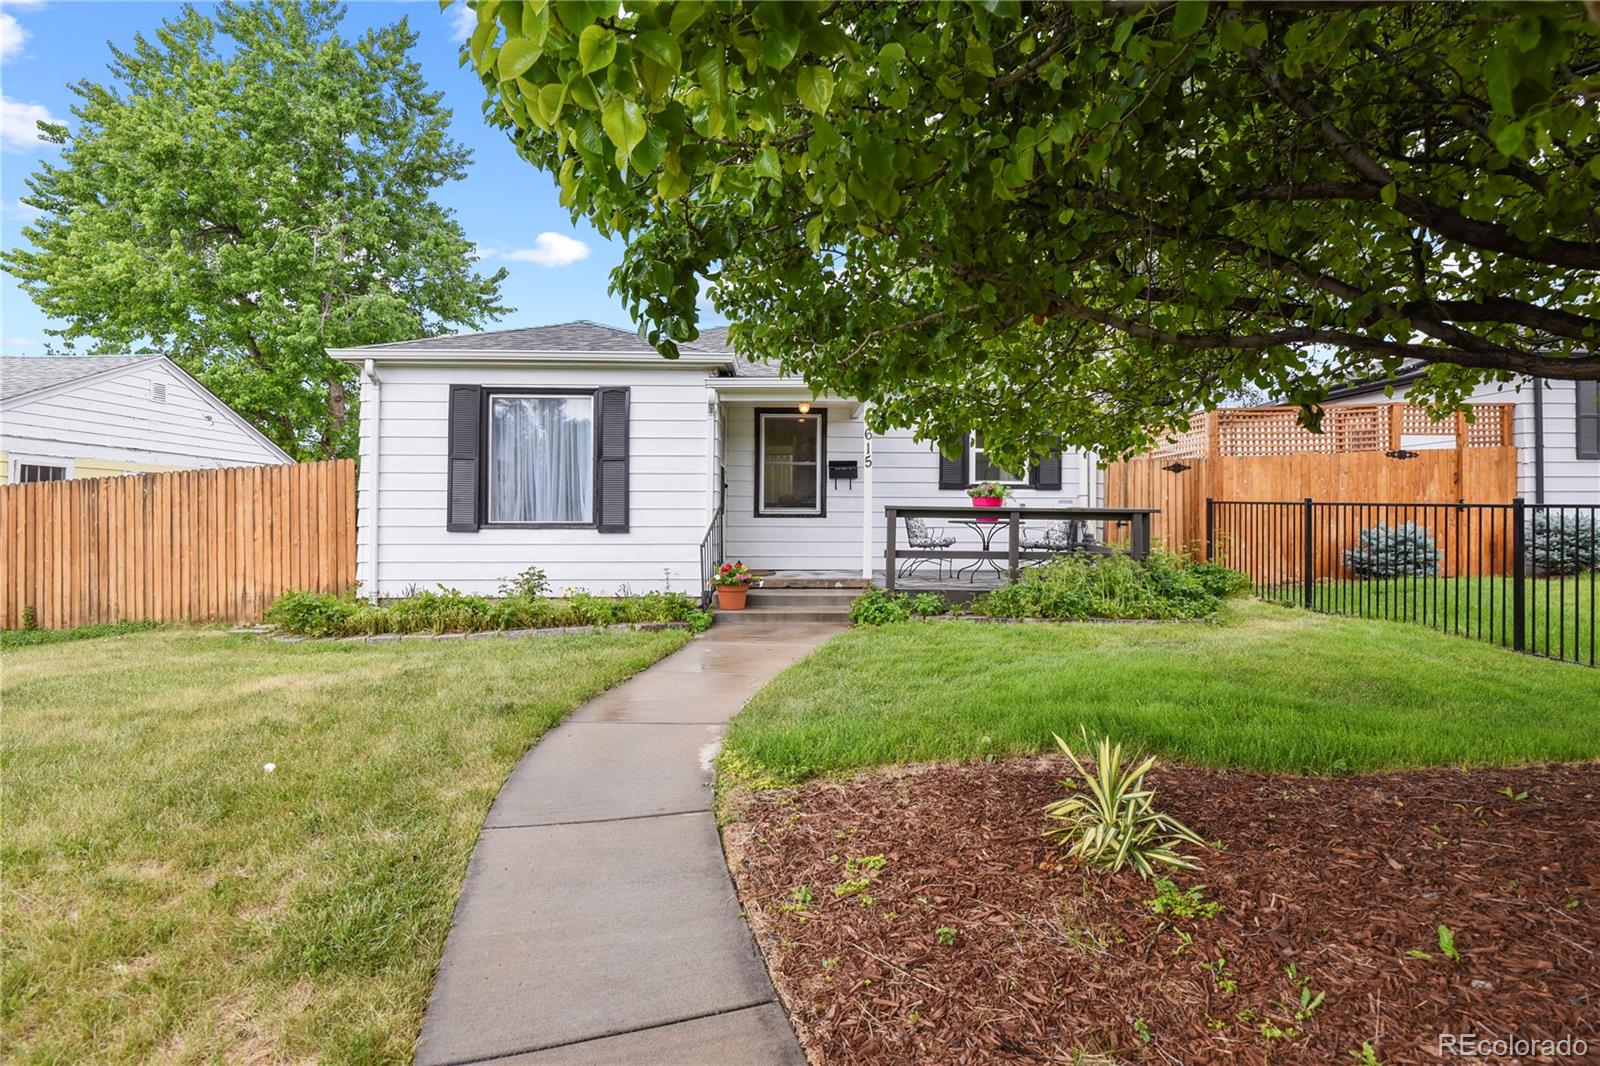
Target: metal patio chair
[924,538]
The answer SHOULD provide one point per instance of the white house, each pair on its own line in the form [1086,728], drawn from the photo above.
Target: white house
[579,449]
[102,416]
[1555,426]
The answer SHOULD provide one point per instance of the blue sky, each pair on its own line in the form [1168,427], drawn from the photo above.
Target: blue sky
[558,271]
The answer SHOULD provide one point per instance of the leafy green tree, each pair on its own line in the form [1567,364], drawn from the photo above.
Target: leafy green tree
[1079,220]
[249,190]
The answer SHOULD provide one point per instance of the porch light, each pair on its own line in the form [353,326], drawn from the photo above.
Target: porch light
[805,407]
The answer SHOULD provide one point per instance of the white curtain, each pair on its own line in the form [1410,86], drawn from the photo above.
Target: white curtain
[541,459]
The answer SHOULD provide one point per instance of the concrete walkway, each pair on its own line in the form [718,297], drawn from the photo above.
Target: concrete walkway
[598,923]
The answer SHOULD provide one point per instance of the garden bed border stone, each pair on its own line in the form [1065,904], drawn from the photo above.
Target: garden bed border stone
[546,631]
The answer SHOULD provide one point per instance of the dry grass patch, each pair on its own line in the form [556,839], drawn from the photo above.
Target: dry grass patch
[167,899]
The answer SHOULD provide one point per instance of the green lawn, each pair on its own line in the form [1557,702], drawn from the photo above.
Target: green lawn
[167,899]
[1268,688]
[1561,613]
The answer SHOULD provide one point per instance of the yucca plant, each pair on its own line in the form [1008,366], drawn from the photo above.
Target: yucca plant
[1112,823]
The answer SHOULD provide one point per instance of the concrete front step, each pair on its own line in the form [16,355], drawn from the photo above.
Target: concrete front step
[754,616]
[816,598]
[796,581]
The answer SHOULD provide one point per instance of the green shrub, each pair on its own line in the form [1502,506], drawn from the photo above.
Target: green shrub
[1405,550]
[879,607]
[926,604]
[312,614]
[1114,586]
[1221,581]
[449,611]
[528,585]
[1563,543]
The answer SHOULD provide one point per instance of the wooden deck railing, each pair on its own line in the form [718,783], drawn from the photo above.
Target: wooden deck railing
[1013,517]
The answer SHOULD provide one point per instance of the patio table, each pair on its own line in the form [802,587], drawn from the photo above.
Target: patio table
[986,532]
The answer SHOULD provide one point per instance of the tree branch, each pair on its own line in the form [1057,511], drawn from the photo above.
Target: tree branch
[1485,235]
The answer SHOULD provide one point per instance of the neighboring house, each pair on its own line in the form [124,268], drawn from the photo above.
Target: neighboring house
[581,450]
[102,416]
[1555,426]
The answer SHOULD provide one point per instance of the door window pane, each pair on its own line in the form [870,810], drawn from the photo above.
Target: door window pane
[541,459]
[791,447]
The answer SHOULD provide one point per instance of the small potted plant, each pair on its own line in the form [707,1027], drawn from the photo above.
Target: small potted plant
[989,494]
[732,582]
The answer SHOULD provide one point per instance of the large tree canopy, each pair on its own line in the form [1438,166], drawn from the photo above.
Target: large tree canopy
[250,190]
[1079,219]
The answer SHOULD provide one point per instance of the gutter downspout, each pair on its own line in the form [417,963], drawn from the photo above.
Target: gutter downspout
[373,409]
[1538,440]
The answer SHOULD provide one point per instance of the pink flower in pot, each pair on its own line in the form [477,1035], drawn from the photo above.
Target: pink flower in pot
[989,494]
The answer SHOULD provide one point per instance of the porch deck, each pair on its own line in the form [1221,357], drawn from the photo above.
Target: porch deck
[924,579]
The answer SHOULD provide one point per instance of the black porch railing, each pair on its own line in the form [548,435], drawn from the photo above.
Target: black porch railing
[1524,576]
[1009,521]
[710,557]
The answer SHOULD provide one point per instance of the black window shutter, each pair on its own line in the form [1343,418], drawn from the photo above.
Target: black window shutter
[1047,473]
[1588,419]
[612,491]
[466,435]
[953,470]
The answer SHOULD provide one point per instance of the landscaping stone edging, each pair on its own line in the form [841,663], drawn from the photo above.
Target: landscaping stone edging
[990,619]
[548,631]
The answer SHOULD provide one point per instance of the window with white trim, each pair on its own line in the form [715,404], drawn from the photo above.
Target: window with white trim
[983,470]
[789,464]
[32,471]
[541,459]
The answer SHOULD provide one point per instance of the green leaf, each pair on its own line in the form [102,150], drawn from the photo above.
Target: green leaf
[685,14]
[980,57]
[1500,74]
[516,56]
[660,47]
[624,123]
[767,164]
[1388,193]
[596,47]
[1188,17]
[713,77]
[779,46]
[892,54]
[815,87]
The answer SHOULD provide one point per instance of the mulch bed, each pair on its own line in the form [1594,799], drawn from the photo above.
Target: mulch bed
[1346,879]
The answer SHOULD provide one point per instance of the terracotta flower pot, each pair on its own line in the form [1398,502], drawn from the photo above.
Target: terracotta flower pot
[988,501]
[732,597]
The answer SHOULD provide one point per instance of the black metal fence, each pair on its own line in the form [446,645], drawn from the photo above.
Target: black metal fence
[1525,576]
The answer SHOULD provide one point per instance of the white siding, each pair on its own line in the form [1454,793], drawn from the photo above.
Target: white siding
[668,443]
[1567,478]
[905,474]
[113,418]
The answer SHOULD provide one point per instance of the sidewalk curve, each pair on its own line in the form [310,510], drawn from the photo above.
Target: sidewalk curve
[598,924]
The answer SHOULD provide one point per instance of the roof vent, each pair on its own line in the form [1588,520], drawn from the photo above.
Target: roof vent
[158,392]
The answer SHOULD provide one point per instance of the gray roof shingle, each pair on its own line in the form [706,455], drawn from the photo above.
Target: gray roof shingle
[579,336]
[21,374]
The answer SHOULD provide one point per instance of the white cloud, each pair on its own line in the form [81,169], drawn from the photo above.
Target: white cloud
[18,210]
[463,20]
[550,250]
[12,36]
[18,124]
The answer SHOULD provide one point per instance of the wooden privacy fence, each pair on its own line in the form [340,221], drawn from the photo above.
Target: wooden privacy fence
[193,545]
[1366,452]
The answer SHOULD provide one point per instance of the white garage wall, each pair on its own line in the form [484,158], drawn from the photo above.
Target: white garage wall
[666,487]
